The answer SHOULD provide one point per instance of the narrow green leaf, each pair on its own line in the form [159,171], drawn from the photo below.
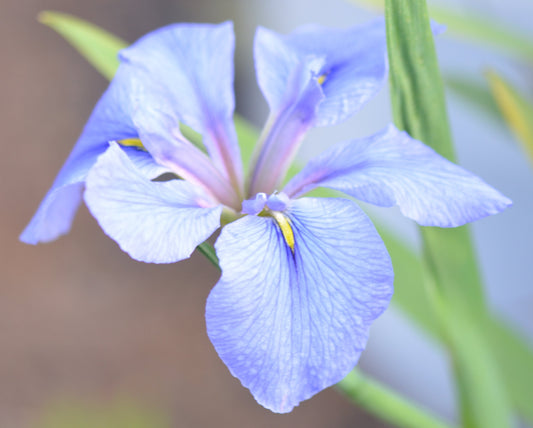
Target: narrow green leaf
[116,414]
[476,93]
[454,284]
[386,404]
[209,252]
[513,355]
[517,111]
[472,27]
[99,47]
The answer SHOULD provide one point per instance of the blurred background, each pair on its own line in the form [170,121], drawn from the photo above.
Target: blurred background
[91,338]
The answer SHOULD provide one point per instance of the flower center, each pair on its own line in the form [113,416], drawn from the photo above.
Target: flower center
[272,206]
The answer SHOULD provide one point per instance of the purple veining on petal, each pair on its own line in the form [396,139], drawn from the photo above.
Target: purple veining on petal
[391,168]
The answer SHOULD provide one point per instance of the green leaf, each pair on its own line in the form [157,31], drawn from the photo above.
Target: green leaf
[386,404]
[477,94]
[472,27]
[513,355]
[453,284]
[117,414]
[99,47]
[517,111]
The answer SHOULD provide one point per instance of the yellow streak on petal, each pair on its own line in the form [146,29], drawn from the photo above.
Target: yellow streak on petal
[131,142]
[321,79]
[286,228]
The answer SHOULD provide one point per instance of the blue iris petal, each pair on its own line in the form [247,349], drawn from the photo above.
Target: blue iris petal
[193,64]
[391,168]
[353,70]
[202,100]
[110,120]
[159,222]
[291,324]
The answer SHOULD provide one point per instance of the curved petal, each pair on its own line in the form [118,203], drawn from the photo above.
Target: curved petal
[158,126]
[159,222]
[353,70]
[194,65]
[291,323]
[289,83]
[110,120]
[391,168]
[145,163]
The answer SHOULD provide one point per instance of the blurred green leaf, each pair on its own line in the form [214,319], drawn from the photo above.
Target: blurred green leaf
[389,406]
[476,93]
[113,415]
[513,356]
[454,285]
[473,27]
[517,111]
[99,47]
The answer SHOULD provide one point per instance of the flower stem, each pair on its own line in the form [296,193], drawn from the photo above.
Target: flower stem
[209,252]
[385,403]
[365,392]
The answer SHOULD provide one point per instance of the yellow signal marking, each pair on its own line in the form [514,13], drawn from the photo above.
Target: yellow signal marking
[286,228]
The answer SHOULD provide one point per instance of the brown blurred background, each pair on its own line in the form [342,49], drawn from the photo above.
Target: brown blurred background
[80,322]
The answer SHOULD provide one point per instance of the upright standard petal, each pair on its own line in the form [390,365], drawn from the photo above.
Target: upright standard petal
[289,83]
[158,222]
[354,65]
[291,320]
[158,126]
[110,120]
[194,64]
[391,168]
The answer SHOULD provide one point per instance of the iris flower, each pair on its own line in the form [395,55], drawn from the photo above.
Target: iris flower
[303,278]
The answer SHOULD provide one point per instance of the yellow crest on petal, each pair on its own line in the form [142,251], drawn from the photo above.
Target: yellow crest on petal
[285,226]
[131,142]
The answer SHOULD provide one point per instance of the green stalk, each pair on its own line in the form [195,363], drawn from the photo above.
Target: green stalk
[209,252]
[386,404]
[454,285]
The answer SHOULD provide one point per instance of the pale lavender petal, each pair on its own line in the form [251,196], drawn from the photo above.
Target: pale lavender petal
[158,222]
[290,86]
[290,323]
[353,70]
[391,168]
[193,69]
[159,131]
[110,120]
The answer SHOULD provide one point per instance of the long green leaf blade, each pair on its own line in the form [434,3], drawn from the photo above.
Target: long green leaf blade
[471,27]
[386,404]
[454,286]
[99,47]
